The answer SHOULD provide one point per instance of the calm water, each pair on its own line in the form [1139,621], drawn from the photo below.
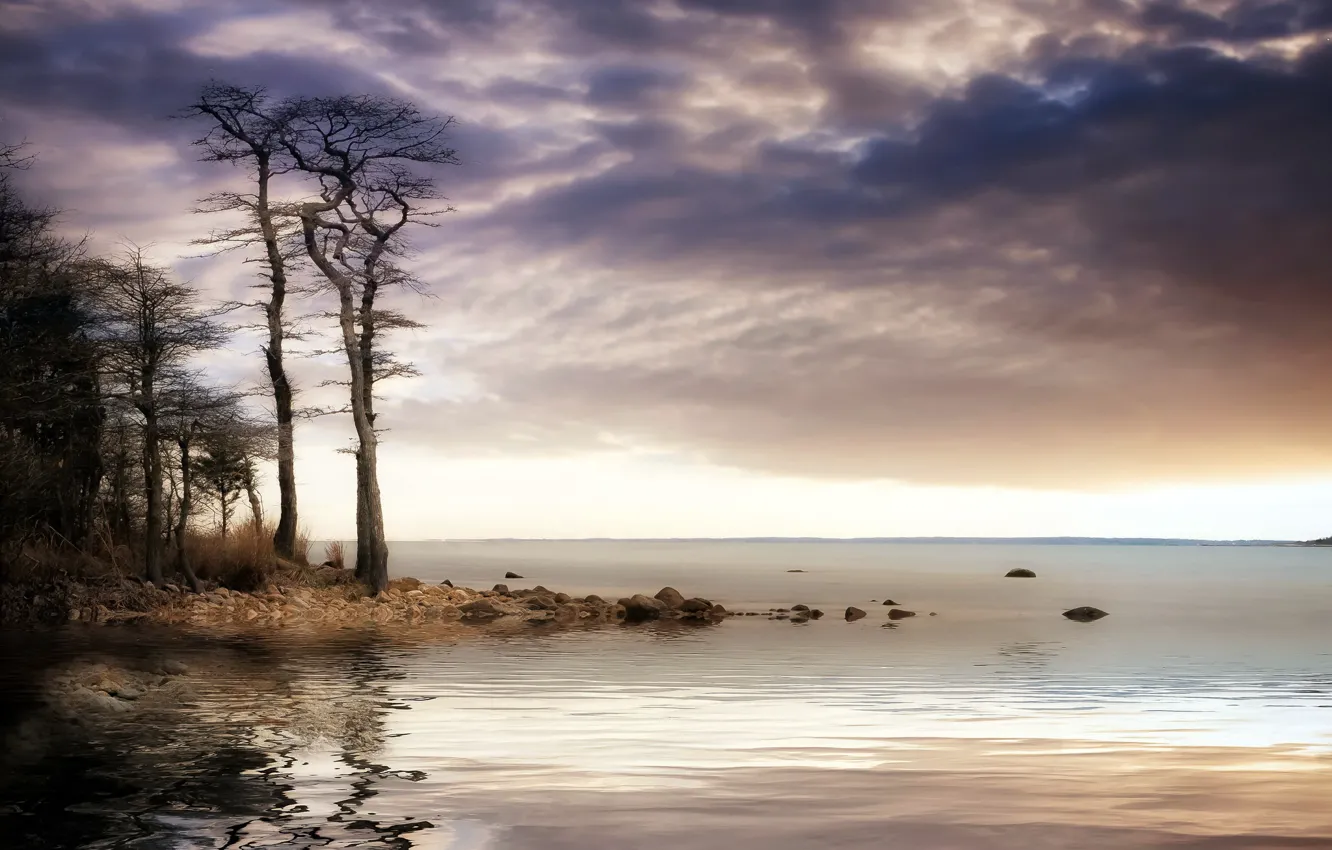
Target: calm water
[1199,714]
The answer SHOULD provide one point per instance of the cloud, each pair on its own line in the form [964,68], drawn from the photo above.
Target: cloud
[854,239]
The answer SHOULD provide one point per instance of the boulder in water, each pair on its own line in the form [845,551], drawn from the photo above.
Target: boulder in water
[899,614]
[815,614]
[512,574]
[853,613]
[1085,614]
[638,608]
[1019,572]
[696,606]
[671,598]
[890,602]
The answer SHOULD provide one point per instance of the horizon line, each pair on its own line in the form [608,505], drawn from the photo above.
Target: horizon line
[1054,539]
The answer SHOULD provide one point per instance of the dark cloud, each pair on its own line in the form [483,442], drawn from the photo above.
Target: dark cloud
[856,238]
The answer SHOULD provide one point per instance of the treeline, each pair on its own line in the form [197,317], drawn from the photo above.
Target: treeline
[112,432]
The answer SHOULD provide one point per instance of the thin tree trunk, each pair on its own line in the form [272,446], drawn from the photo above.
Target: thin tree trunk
[152,470]
[183,519]
[252,491]
[226,513]
[370,533]
[284,538]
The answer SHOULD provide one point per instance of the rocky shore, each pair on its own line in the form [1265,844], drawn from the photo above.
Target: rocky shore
[406,601]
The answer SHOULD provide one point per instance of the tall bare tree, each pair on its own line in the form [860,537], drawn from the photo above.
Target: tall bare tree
[365,152]
[153,326]
[244,132]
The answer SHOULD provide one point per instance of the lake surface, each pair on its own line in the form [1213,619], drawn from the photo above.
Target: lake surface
[1197,715]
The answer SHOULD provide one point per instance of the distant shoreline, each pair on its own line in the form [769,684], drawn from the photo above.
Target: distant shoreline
[1030,541]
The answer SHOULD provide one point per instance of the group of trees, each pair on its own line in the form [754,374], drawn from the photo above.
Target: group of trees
[110,428]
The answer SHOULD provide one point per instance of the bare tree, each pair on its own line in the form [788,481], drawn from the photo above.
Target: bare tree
[153,327]
[244,132]
[190,414]
[364,151]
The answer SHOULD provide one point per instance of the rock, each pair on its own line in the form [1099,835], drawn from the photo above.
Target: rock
[934,613]
[541,603]
[593,599]
[500,588]
[639,608]
[567,613]
[696,606]
[799,608]
[899,614]
[751,613]
[540,589]
[853,614]
[890,602]
[1019,572]
[671,597]
[563,598]
[446,583]
[795,571]
[816,614]
[512,574]
[719,611]
[480,609]
[783,610]
[171,667]
[1085,614]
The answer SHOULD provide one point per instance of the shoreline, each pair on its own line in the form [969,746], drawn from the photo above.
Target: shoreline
[340,603]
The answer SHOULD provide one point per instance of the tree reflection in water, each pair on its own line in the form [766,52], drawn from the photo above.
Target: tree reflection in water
[223,772]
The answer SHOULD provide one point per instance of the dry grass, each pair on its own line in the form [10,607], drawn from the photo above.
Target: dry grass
[333,555]
[243,560]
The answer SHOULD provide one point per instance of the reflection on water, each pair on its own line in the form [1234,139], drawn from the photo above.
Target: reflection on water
[946,732]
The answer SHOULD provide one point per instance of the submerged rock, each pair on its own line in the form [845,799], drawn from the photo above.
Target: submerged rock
[1085,614]
[671,598]
[816,614]
[890,602]
[696,606]
[638,608]
[795,571]
[853,613]
[899,614]
[799,608]
[1019,572]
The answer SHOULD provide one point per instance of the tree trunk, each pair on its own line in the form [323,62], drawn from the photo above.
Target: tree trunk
[370,532]
[152,470]
[183,517]
[363,534]
[226,513]
[252,491]
[284,538]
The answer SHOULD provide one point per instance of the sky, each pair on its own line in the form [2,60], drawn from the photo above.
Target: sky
[771,267]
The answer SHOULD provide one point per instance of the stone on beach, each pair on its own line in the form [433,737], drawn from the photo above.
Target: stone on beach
[500,588]
[480,608]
